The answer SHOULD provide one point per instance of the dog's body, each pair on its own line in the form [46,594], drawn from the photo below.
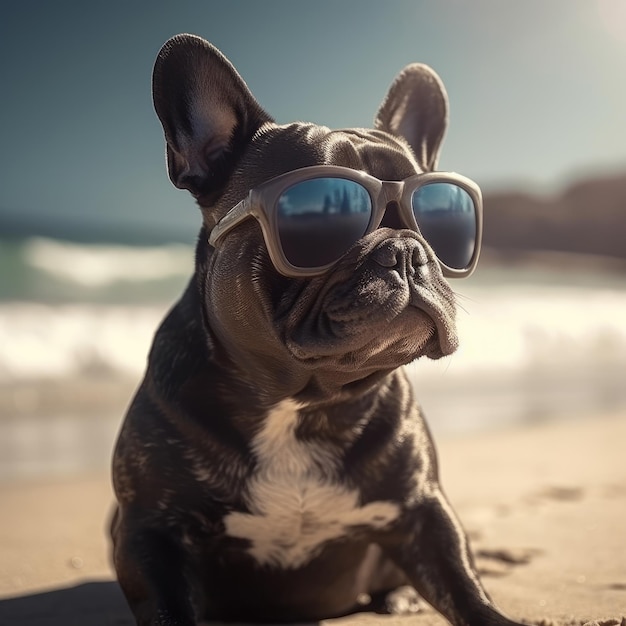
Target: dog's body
[274,465]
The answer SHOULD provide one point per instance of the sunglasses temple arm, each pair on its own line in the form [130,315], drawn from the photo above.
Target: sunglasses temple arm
[235,216]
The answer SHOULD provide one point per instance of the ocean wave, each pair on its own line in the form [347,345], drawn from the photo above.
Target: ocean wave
[523,328]
[503,330]
[42,341]
[96,266]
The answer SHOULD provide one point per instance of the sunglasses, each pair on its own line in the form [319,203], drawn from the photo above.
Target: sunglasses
[311,217]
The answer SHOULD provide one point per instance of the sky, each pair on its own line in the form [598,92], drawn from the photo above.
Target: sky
[537,89]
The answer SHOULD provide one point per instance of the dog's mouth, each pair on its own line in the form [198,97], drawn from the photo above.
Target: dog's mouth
[366,316]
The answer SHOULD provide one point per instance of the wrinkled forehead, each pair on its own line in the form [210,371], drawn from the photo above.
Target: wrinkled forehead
[376,152]
[281,149]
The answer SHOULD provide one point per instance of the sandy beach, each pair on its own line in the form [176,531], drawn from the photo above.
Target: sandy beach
[545,506]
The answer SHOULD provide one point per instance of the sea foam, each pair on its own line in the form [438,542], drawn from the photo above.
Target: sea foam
[98,265]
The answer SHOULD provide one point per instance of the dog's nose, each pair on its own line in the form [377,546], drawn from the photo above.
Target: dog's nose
[401,252]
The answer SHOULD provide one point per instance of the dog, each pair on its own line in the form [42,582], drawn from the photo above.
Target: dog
[274,465]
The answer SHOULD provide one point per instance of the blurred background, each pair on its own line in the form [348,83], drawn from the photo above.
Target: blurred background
[95,243]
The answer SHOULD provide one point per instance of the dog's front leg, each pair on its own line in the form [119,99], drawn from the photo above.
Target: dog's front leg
[151,571]
[433,551]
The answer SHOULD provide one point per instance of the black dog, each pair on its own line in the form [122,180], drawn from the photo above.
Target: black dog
[273,465]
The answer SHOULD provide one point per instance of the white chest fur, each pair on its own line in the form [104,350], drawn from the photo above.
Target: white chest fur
[295,504]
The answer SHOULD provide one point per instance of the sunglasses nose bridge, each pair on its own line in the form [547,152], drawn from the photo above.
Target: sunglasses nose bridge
[392,191]
[391,198]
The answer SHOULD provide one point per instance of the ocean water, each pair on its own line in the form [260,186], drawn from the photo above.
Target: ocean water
[76,321]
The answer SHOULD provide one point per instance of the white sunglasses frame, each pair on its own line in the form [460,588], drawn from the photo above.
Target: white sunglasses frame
[261,204]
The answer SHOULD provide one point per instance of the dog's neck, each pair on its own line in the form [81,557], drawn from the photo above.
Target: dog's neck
[264,382]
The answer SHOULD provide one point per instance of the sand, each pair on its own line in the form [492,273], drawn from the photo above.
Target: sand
[545,506]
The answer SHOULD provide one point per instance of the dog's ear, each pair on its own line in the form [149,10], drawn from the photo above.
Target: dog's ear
[416,108]
[207,112]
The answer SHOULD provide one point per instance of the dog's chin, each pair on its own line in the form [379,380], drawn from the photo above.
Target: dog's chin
[371,321]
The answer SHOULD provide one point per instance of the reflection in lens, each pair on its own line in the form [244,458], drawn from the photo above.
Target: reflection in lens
[446,216]
[320,219]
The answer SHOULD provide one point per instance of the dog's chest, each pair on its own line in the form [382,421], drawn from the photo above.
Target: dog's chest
[296,502]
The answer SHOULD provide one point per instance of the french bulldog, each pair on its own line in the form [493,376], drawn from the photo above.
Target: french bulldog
[274,465]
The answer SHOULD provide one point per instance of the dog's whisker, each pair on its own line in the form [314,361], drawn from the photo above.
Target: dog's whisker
[457,297]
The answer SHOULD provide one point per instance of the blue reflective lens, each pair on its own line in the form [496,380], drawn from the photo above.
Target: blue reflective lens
[446,216]
[320,219]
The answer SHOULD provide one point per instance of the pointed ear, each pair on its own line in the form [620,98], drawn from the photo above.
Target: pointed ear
[207,112]
[416,108]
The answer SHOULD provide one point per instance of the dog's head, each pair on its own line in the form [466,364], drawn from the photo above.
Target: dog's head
[382,304]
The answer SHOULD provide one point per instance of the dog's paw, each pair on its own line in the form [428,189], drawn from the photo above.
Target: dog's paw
[403,601]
